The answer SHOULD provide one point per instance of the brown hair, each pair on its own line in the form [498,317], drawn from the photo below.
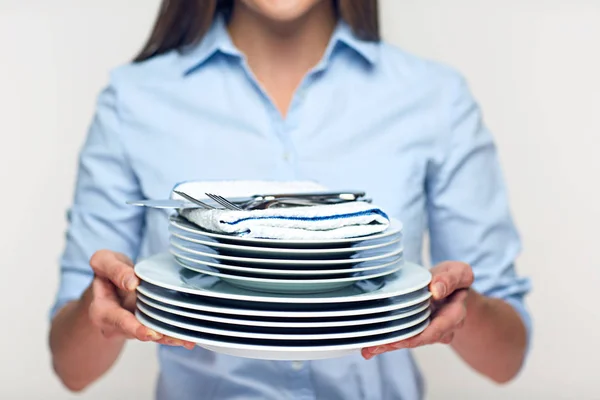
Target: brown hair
[183,23]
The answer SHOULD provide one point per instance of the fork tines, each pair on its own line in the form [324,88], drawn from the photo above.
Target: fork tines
[224,202]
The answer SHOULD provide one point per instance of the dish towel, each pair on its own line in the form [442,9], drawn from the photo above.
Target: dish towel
[336,221]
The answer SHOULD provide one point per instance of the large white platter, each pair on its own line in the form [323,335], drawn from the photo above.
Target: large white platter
[254,332]
[285,323]
[281,310]
[280,350]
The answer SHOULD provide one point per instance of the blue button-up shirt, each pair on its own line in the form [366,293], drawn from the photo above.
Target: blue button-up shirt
[368,116]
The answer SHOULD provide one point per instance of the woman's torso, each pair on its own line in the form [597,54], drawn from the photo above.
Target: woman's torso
[369,118]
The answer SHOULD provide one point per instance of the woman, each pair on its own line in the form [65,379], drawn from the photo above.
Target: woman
[297,89]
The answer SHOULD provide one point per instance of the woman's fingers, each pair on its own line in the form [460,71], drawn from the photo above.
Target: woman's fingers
[442,323]
[112,319]
[441,329]
[447,338]
[449,287]
[107,314]
[109,311]
[449,277]
[169,341]
[124,322]
[115,267]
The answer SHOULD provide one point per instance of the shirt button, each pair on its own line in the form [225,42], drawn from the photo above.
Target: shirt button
[287,156]
[297,365]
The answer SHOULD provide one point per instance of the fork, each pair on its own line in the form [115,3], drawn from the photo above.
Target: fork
[194,200]
[260,204]
[224,202]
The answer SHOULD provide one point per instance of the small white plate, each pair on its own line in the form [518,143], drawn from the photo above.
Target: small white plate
[282,323]
[253,251]
[299,273]
[273,285]
[263,333]
[203,253]
[256,309]
[280,350]
[162,270]
[394,229]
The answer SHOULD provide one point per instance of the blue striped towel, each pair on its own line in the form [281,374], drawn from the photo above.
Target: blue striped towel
[336,221]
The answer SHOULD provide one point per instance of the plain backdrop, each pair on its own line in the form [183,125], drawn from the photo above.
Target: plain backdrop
[534,66]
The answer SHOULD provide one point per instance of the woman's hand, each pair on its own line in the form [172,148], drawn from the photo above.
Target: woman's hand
[113,300]
[449,288]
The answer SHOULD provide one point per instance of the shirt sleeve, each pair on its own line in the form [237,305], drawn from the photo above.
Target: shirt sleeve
[99,218]
[469,216]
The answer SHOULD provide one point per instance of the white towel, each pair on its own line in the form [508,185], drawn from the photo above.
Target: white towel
[334,221]
[320,222]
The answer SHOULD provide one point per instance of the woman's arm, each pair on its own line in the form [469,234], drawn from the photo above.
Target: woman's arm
[92,315]
[486,333]
[80,353]
[88,335]
[479,300]
[493,339]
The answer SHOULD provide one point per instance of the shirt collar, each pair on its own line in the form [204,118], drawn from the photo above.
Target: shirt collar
[343,34]
[217,40]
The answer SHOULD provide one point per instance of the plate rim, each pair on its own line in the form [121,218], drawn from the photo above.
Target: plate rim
[283,314]
[282,324]
[283,261]
[279,336]
[290,282]
[257,249]
[388,232]
[280,349]
[276,271]
[373,295]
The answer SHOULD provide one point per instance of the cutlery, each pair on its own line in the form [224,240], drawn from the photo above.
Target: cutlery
[195,201]
[349,195]
[324,197]
[264,204]
[224,202]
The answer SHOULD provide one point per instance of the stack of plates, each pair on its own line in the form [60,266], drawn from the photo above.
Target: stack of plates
[283,299]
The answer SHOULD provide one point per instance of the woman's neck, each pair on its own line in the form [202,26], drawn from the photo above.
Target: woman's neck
[281,53]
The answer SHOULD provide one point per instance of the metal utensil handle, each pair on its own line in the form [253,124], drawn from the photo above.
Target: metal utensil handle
[350,195]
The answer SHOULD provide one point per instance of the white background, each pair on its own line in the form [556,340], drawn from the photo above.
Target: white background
[533,64]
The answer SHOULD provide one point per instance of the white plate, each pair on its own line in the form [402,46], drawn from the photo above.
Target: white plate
[265,333]
[394,229]
[162,270]
[254,309]
[289,252]
[273,285]
[279,323]
[280,350]
[203,253]
[363,267]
